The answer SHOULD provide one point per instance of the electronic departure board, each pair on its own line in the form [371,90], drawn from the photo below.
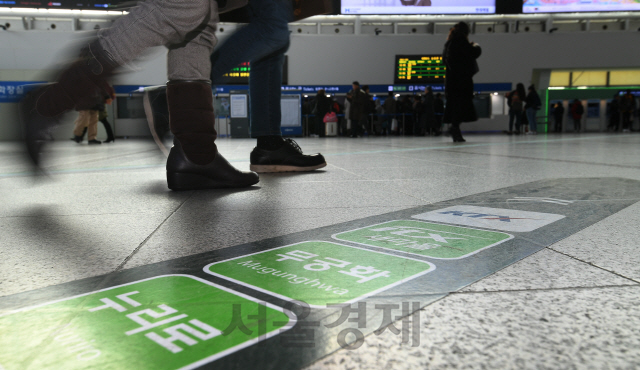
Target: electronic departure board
[69,4]
[551,6]
[419,69]
[237,76]
[240,74]
[418,6]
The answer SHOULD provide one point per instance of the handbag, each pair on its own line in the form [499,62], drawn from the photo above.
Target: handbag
[394,124]
[330,117]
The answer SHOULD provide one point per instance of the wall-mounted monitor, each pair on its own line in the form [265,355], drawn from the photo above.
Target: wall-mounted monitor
[576,6]
[418,6]
[415,69]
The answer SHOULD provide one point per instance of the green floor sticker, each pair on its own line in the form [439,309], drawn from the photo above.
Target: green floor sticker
[320,273]
[166,322]
[425,238]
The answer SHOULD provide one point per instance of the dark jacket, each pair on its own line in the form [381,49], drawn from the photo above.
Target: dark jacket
[323,105]
[389,105]
[460,59]
[359,100]
[438,106]
[532,100]
[577,110]
[558,113]
[90,101]
[429,109]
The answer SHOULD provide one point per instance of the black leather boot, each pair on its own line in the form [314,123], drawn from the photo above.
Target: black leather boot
[194,161]
[287,157]
[182,174]
[42,107]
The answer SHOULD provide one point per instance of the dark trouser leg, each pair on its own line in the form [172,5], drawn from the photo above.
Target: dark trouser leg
[107,128]
[191,118]
[320,131]
[456,133]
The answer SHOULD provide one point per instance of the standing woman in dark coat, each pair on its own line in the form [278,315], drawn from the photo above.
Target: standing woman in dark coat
[460,59]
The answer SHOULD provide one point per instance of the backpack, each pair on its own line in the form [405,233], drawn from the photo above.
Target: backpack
[516,102]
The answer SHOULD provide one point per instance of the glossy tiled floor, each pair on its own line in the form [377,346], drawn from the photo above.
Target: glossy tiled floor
[575,304]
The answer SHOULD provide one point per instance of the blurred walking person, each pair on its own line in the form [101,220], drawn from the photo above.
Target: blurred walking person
[460,59]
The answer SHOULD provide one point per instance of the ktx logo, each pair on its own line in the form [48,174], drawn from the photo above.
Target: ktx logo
[484,216]
[491,218]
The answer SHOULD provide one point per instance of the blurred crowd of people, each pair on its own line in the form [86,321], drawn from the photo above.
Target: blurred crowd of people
[360,113]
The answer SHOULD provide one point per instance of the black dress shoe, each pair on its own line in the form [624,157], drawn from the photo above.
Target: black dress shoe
[109,140]
[77,139]
[94,141]
[288,158]
[182,174]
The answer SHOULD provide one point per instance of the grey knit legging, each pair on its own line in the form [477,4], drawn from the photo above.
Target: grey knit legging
[185,27]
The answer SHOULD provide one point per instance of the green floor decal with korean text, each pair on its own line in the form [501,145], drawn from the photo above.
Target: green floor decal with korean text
[320,273]
[168,322]
[210,310]
[425,238]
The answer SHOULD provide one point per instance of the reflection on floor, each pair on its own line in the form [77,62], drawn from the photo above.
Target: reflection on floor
[575,303]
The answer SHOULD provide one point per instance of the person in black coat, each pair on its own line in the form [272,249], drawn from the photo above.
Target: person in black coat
[460,59]
[558,115]
[614,114]
[429,112]
[438,109]
[358,109]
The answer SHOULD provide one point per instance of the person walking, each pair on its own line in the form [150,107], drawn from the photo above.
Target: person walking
[531,107]
[614,114]
[438,109]
[577,110]
[429,113]
[263,41]
[460,56]
[515,101]
[390,114]
[101,108]
[87,120]
[419,116]
[357,109]
[627,107]
[102,117]
[558,115]
[187,29]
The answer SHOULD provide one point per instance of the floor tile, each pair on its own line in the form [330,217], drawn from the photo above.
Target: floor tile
[547,269]
[595,328]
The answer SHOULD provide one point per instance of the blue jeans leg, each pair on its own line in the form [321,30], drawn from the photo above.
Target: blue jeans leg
[262,42]
[531,117]
[512,117]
